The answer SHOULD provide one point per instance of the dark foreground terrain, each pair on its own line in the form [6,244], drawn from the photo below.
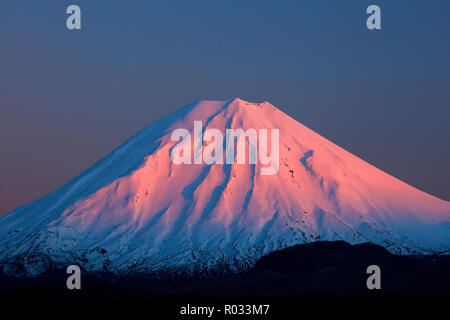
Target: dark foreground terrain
[321,277]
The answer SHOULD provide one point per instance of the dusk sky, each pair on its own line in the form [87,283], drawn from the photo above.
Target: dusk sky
[68,98]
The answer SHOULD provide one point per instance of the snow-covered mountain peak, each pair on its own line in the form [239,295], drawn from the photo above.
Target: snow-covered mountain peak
[138,211]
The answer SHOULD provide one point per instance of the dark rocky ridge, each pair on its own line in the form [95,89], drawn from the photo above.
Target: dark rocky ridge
[320,278]
[319,267]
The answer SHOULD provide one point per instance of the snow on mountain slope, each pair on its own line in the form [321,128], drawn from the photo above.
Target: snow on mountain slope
[136,211]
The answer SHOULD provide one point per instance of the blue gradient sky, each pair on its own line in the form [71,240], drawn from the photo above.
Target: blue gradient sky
[67,98]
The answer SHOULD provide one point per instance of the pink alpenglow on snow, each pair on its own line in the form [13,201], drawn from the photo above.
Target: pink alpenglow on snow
[212,152]
[138,211]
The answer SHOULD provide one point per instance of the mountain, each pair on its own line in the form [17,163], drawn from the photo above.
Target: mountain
[317,272]
[136,211]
